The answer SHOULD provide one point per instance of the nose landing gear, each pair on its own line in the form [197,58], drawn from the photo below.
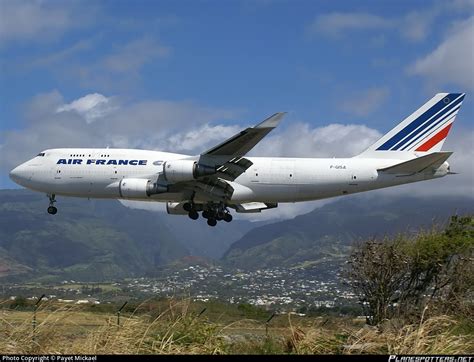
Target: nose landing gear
[51,209]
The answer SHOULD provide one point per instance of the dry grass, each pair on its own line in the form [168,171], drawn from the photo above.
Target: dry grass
[435,335]
[177,330]
[432,336]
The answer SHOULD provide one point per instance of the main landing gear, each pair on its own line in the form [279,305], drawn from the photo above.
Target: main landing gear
[191,209]
[51,209]
[212,212]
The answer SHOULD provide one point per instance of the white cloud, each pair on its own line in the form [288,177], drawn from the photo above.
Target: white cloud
[414,26]
[364,103]
[133,55]
[337,23]
[452,62]
[38,20]
[59,57]
[202,138]
[119,69]
[91,107]
[302,140]
[50,122]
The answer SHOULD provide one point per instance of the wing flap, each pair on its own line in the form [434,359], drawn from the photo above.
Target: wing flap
[216,188]
[253,207]
[233,168]
[420,164]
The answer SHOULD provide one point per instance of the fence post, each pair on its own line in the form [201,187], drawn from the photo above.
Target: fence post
[118,313]
[33,322]
[267,322]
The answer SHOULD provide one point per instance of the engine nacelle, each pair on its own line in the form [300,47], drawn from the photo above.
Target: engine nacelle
[175,208]
[185,170]
[139,188]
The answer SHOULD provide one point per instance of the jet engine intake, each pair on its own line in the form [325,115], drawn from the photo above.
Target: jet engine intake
[139,188]
[185,170]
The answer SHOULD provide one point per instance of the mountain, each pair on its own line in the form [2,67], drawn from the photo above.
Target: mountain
[98,239]
[324,236]
[93,240]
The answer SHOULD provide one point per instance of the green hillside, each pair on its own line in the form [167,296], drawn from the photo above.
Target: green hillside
[86,240]
[323,236]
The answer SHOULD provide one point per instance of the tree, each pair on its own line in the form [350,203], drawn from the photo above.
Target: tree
[377,270]
[399,276]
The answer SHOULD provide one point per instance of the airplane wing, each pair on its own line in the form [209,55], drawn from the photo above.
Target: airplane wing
[228,162]
[227,157]
[241,143]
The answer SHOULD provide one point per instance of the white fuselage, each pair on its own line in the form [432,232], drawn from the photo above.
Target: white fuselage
[96,173]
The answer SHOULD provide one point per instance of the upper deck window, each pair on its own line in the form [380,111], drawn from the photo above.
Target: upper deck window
[41,154]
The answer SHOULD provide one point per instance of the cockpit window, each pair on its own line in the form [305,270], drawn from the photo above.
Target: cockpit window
[41,154]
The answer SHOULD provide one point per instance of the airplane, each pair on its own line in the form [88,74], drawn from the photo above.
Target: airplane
[224,178]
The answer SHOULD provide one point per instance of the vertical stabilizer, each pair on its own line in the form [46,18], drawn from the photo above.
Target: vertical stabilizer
[423,132]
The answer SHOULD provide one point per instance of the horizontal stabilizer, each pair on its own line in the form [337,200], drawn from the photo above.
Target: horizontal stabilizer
[420,164]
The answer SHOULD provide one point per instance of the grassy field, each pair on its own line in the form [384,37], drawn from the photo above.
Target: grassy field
[177,327]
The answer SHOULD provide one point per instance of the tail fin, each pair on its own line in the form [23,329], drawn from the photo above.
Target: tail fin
[423,131]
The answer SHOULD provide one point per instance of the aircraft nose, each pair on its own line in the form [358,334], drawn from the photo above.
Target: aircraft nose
[18,174]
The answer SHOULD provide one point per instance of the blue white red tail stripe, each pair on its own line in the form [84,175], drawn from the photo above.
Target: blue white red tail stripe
[424,129]
[424,123]
[433,141]
[433,128]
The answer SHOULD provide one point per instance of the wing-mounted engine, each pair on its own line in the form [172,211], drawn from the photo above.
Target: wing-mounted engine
[185,170]
[140,188]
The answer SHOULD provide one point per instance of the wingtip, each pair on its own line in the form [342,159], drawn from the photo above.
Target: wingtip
[272,121]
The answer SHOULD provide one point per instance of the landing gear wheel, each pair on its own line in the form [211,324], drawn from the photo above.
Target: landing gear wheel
[193,215]
[227,217]
[205,214]
[187,207]
[52,210]
[211,222]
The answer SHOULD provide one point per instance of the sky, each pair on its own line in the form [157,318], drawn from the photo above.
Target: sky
[181,76]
